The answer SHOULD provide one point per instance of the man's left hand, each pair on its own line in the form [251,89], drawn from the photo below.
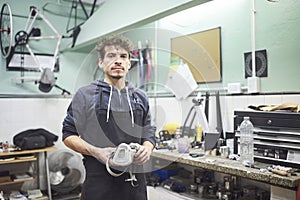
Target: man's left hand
[143,154]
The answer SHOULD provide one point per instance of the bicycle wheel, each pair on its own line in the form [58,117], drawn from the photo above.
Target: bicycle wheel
[6,30]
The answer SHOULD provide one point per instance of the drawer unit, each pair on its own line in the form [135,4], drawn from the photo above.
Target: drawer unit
[276,136]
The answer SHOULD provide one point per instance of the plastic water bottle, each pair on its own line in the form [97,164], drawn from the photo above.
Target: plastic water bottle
[246,142]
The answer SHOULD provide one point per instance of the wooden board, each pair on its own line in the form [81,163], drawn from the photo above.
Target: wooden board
[202,52]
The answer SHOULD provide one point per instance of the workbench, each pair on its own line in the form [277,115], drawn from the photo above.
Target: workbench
[232,167]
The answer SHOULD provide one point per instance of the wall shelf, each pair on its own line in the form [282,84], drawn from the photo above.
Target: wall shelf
[21,157]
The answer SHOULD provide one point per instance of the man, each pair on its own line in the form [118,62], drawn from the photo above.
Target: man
[105,114]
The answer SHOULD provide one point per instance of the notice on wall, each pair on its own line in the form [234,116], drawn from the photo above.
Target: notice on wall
[181,81]
[202,52]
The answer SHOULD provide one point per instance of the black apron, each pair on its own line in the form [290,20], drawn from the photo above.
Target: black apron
[99,184]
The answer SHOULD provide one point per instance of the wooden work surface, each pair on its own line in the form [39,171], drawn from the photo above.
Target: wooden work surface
[12,153]
[227,166]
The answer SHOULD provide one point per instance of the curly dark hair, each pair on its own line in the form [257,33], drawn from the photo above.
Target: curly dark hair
[114,40]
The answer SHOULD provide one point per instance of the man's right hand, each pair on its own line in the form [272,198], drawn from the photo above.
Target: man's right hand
[102,154]
[79,145]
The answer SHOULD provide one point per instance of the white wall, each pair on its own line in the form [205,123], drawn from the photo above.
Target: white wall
[170,110]
[18,114]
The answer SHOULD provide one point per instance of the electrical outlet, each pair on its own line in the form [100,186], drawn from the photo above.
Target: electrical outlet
[253,84]
[234,88]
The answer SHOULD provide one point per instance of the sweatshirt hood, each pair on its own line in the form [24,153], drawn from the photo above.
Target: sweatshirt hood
[105,85]
[128,89]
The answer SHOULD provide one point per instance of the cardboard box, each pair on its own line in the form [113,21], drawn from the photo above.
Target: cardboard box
[4,179]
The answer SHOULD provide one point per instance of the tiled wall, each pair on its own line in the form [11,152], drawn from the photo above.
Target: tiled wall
[18,114]
[169,110]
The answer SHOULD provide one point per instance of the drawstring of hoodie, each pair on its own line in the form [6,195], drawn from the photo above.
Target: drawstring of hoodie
[128,100]
[109,101]
[131,112]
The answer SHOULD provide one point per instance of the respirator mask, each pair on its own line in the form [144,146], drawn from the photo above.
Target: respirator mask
[124,154]
[123,157]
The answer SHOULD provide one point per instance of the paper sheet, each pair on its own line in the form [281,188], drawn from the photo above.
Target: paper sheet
[181,81]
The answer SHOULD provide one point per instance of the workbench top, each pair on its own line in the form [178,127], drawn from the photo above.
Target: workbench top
[227,166]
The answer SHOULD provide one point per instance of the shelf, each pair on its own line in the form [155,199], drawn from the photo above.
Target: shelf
[18,161]
[13,153]
[14,160]
[277,159]
[16,181]
[19,157]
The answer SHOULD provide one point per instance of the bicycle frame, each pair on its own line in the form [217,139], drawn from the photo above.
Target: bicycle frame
[29,26]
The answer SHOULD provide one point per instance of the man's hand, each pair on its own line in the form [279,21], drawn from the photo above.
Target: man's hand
[79,145]
[102,154]
[143,154]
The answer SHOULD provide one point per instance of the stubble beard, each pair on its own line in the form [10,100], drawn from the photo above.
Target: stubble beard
[116,77]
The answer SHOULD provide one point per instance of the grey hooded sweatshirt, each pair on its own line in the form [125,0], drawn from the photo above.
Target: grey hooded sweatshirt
[105,117]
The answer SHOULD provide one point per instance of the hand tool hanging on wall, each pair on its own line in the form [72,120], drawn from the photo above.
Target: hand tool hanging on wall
[149,64]
[141,61]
